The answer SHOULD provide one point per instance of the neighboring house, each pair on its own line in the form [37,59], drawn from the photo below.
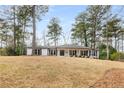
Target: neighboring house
[65,50]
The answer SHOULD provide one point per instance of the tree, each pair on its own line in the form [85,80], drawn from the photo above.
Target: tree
[19,17]
[111,29]
[54,30]
[12,24]
[2,25]
[24,17]
[107,33]
[17,27]
[34,30]
[36,12]
[80,29]
[115,29]
[14,31]
[121,35]
[103,53]
[4,33]
[96,14]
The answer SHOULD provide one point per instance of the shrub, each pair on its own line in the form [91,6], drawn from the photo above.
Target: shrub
[10,51]
[3,52]
[117,56]
[102,51]
[102,55]
[122,56]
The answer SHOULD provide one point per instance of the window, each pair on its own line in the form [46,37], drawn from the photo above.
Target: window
[35,51]
[86,53]
[39,52]
[74,52]
[82,53]
[96,52]
[70,53]
[51,52]
[89,53]
[61,52]
[54,52]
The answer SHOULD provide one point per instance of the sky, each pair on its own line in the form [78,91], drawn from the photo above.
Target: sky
[66,14]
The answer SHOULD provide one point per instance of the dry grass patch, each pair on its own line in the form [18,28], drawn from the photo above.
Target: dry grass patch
[37,71]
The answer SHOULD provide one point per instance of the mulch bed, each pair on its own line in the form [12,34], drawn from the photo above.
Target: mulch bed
[113,78]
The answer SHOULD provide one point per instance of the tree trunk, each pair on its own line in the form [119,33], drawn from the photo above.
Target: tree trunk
[94,34]
[115,43]
[94,38]
[81,40]
[122,41]
[23,47]
[34,31]
[1,43]
[6,39]
[107,47]
[91,39]
[44,38]
[55,43]
[118,49]
[1,48]
[85,37]
[118,45]
[14,31]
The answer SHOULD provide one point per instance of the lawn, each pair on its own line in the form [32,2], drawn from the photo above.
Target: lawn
[39,71]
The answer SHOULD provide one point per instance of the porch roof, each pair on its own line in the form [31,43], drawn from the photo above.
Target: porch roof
[67,46]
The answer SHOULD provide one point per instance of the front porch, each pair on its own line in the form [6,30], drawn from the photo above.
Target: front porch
[78,53]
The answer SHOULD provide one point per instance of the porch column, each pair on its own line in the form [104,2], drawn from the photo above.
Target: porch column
[52,52]
[88,53]
[47,52]
[68,53]
[37,51]
[40,51]
[91,53]
[77,52]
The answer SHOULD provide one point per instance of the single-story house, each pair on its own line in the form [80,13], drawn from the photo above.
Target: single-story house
[65,50]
